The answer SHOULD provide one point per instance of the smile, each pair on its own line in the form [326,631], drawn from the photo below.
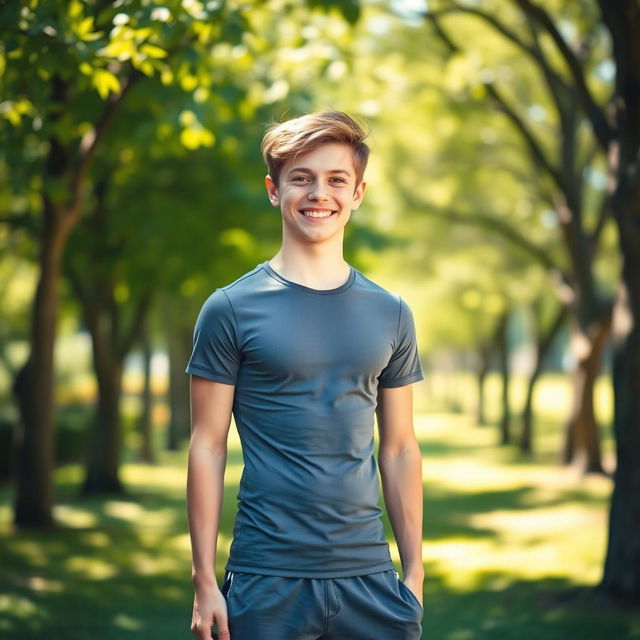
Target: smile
[317,213]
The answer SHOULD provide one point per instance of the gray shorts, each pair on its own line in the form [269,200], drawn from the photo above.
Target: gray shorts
[378,605]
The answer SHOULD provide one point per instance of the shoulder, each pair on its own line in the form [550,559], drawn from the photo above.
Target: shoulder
[377,291]
[246,280]
[219,303]
[247,286]
[223,297]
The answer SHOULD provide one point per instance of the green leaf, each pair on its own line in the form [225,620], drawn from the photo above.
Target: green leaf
[350,9]
[105,82]
[152,51]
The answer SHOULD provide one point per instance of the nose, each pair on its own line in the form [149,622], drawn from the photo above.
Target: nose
[317,191]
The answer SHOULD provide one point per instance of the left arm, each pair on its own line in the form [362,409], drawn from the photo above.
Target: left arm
[400,463]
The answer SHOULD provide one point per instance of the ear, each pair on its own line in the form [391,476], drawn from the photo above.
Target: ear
[358,195]
[272,190]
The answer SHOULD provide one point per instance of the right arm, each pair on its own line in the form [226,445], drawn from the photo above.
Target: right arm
[211,408]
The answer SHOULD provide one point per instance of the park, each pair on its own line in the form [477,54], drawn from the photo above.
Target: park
[503,204]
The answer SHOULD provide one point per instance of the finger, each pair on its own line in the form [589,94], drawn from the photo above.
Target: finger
[223,628]
[201,631]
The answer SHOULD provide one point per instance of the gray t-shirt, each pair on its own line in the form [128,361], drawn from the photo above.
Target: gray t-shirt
[307,364]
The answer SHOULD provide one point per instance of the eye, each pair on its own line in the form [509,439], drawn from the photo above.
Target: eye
[299,179]
[339,180]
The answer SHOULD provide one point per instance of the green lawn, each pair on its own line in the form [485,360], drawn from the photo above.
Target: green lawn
[511,548]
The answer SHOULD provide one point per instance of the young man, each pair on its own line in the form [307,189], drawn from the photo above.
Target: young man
[304,350]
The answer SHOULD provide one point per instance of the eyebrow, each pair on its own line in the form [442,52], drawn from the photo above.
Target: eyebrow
[305,170]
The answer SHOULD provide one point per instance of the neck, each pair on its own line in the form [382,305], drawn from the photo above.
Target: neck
[316,267]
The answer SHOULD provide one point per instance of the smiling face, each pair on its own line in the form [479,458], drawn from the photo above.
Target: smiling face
[316,193]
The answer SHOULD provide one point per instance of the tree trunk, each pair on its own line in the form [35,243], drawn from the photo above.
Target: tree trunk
[502,345]
[481,376]
[34,384]
[622,567]
[543,345]
[145,425]
[179,340]
[103,462]
[582,440]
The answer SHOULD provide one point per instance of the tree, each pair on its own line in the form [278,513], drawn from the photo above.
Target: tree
[568,62]
[67,70]
[619,135]
[563,186]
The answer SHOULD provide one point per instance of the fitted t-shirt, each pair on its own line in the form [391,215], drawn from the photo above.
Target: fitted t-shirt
[306,364]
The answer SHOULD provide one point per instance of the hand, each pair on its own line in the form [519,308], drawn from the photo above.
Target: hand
[415,581]
[209,608]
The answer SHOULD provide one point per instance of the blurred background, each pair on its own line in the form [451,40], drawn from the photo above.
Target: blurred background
[503,204]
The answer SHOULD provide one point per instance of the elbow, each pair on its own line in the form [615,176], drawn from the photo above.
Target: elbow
[200,441]
[388,454]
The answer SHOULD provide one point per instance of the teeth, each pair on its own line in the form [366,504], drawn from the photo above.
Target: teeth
[317,214]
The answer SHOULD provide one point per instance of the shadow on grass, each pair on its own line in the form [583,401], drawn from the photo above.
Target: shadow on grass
[126,574]
[52,596]
[550,609]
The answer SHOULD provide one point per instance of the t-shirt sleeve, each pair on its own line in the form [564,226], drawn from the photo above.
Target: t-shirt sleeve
[404,366]
[215,352]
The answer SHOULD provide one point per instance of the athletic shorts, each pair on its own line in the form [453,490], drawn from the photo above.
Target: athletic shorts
[378,605]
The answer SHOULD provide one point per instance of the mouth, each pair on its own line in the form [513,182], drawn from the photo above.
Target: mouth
[317,214]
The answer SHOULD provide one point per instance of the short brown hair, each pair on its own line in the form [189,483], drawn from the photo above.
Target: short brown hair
[286,140]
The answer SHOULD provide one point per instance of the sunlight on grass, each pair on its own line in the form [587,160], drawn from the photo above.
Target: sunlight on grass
[147,564]
[181,542]
[44,585]
[6,518]
[32,552]
[505,538]
[127,623]
[224,545]
[174,478]
[72,474]
[97,539]
[232,473]
[17,605]
[91,568]
[142,517]
[130,511]
[544,527]
[145,475]
[74,517]
[463,563]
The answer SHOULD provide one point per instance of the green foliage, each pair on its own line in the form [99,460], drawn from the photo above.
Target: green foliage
[350,9]
[176,94]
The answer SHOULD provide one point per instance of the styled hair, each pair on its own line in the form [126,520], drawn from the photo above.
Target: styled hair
[286,140]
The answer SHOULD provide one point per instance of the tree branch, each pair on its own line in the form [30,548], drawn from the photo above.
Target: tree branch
[601,127]
[531,51]
[90,141]
[137,324]
[535,147]
[604,214]
[487,222]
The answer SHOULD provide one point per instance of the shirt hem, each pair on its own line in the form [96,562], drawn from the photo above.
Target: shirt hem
[297,573]
[197,370]
[400,382]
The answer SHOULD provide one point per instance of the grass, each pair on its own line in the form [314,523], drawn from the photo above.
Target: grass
[512,546]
